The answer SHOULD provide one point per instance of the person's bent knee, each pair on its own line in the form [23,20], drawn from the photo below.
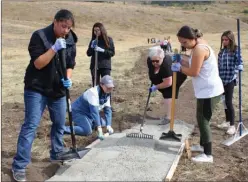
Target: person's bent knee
[87,133]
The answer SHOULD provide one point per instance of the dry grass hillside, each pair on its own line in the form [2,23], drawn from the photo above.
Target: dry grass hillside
[130,25]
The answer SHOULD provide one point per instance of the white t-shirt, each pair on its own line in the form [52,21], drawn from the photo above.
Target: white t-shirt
[207,84]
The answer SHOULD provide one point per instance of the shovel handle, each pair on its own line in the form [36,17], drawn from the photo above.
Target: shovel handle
[96,64]
[174,82]
[62,54]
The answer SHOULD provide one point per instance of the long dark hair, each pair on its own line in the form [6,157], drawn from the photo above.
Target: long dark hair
[103,35]
[189,33]
[63,15]
[232,44]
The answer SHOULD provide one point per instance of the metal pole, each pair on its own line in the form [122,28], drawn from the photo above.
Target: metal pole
[240,91]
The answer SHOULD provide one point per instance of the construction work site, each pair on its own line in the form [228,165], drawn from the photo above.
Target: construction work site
[141,148]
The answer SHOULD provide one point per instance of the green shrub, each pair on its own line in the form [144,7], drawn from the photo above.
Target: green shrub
[245,11]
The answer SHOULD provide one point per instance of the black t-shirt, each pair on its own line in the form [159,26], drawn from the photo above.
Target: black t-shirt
[164,71]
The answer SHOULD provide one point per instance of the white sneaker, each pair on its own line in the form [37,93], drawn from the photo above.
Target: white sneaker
[196,148]
[231,130]
[203,158]
[110,130]
[223,125]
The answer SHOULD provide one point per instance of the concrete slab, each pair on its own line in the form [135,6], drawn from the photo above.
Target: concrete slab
[119,158]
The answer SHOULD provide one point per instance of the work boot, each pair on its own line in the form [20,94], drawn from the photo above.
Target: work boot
[19,175]
[203,158]
[66,155]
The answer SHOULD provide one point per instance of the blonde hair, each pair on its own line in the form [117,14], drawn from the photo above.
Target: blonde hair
[156,51]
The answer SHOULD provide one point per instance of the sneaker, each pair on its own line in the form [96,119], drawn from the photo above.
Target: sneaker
[19,175]
[110,130]
[203,158]
[165,121]
[196,148]
[231,130]
[223,125]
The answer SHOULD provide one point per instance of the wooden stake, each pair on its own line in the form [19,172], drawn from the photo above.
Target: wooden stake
[187,148]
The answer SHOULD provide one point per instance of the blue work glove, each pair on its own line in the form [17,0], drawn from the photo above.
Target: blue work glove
[93,44]
[100,133]
[176,67]
[59,44]
[67,83]
[153,88]
[177,58]
[99,49]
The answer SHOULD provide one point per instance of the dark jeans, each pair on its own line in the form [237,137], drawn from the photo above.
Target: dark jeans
[229,111]
[83,125]
[100,73]
[205,108]
[35,104]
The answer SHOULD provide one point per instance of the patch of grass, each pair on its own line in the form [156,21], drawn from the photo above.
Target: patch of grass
[8,56]
[172,20]
[245,11]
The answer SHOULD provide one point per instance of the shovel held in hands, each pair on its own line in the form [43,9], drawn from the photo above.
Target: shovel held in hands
[74,152]
[171,135]
[96,64]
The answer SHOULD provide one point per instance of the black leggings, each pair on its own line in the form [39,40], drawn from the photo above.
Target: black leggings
[100,73]
[229,111]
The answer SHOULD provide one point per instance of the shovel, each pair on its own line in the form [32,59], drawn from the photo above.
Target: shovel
[74,152]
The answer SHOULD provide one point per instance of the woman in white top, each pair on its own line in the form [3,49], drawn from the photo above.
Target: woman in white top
[203,68]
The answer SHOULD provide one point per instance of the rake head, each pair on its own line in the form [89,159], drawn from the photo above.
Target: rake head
[140,135]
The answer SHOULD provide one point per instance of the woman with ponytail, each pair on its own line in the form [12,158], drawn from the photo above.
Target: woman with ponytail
[203,68]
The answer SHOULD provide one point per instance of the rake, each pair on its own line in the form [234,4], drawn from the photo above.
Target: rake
[141,134]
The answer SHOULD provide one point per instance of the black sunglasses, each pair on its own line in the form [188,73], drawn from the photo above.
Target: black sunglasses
[155,61]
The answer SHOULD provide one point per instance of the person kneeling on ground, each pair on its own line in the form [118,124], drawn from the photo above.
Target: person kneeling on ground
[160,75]
[86,109]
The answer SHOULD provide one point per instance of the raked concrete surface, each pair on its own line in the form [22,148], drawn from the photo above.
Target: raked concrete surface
[118,158]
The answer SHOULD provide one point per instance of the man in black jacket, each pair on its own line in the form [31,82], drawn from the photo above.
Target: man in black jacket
[45,86]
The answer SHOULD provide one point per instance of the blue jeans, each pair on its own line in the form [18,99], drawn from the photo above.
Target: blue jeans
[83,125]
[35,104]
